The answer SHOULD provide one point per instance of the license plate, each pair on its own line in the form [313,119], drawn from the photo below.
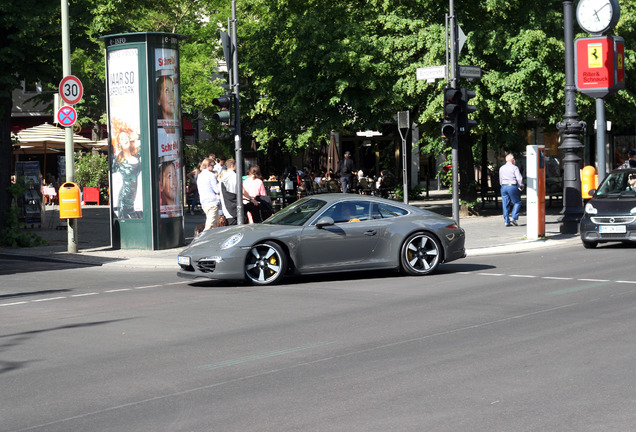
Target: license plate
[183,260]
[612,229]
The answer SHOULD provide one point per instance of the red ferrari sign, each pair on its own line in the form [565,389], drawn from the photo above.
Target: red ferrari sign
[600,68]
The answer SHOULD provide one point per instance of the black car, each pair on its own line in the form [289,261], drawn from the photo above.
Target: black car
[610,215]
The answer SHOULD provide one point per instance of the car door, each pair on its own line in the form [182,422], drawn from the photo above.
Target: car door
[348,243]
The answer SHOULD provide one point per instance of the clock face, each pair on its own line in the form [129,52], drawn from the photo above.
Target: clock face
[597,16]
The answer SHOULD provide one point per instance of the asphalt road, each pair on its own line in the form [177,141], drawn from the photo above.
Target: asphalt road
[541,340]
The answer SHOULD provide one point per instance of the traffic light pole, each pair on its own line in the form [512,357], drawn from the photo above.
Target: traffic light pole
[454,139]
[237,124]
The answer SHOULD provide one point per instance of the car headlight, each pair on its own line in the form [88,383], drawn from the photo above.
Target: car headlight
[633,211]
[232,241]
[590,209]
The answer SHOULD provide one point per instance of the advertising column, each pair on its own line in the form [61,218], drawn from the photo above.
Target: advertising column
[146,170]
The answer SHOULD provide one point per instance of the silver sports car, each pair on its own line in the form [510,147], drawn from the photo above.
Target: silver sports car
[326,233]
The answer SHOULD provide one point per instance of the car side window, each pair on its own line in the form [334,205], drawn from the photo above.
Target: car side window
[349,211]
[383,211]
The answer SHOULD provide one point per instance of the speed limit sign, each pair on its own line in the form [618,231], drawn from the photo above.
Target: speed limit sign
[71,90]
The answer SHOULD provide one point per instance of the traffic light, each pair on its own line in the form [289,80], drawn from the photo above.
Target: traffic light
[224,115]
[464,123]
[452,109]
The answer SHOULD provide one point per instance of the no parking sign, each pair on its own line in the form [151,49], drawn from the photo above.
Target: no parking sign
[66,116]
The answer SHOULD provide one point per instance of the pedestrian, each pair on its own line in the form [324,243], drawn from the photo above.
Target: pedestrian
[630,160]
[219,165]
[228,192]
[511,185]
[346,169]
[255,188]
[209,190]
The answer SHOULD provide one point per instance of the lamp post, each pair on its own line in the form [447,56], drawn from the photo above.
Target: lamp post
[570,129]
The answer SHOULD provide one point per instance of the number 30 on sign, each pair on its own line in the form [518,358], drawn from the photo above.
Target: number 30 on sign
[71,89]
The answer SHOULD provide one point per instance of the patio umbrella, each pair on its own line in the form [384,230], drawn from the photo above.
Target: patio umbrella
[332,155]
[46,138]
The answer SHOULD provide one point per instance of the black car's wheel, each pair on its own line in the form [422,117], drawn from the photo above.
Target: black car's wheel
[266,263]
[590,245]
[420,254]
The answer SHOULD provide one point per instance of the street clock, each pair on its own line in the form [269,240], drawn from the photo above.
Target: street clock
[598,16]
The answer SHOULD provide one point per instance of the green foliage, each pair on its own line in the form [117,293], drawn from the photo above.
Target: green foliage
[91,169]
[13,234]
[414,193]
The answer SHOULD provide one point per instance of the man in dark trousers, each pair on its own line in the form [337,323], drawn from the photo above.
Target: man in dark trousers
[346,169]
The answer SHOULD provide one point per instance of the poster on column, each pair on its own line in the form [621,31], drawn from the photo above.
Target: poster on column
[125,144]
[168,132]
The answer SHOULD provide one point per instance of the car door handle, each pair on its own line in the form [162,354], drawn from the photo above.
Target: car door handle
[370,232]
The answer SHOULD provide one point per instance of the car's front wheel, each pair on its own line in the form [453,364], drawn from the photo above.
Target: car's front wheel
[420,254]
[590,245]
[266,263]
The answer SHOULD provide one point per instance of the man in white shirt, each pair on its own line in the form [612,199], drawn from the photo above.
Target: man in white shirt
[228,192]
[209,190]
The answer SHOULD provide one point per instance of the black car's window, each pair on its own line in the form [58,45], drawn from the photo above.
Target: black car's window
[618,183]
[297,213]
[349,211]
[382,211]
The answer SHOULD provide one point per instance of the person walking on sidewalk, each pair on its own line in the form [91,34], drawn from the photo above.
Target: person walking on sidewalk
[209,191]
[511,185]
[346,169]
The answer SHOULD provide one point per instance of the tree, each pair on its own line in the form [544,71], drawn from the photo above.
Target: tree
[27,52]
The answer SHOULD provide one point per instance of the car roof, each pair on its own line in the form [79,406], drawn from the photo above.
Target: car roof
[331,198]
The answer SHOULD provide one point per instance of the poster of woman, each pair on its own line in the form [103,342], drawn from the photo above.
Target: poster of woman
[126,155]
[168,133]
[127,165]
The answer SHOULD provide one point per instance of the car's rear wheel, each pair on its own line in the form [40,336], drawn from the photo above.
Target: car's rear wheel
[266,263]
[590,245]
[420,254]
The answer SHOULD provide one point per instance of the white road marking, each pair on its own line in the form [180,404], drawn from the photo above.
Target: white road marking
[48,299]
[112,291]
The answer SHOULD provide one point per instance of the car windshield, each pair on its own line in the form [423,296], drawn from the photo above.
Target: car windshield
[298,213]
[619,182]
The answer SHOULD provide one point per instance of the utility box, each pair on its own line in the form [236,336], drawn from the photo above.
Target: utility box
[535,193]
[145,140]
[70,201]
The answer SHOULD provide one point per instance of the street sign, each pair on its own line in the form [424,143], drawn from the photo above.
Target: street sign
[469,71]
[599,65]
[461,39]
[71,89]
[66,116]
[431,73]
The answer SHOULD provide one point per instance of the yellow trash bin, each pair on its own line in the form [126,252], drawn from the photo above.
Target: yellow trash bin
[589,181]
[70,202]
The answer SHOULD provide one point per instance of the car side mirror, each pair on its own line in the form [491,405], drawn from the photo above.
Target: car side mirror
[324,221]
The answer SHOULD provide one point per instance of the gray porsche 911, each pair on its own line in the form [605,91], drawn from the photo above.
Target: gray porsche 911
[326,233]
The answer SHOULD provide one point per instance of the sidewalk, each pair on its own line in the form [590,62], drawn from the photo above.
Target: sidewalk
[485,234]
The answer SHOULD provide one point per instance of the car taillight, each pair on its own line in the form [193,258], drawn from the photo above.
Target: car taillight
[452,226]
